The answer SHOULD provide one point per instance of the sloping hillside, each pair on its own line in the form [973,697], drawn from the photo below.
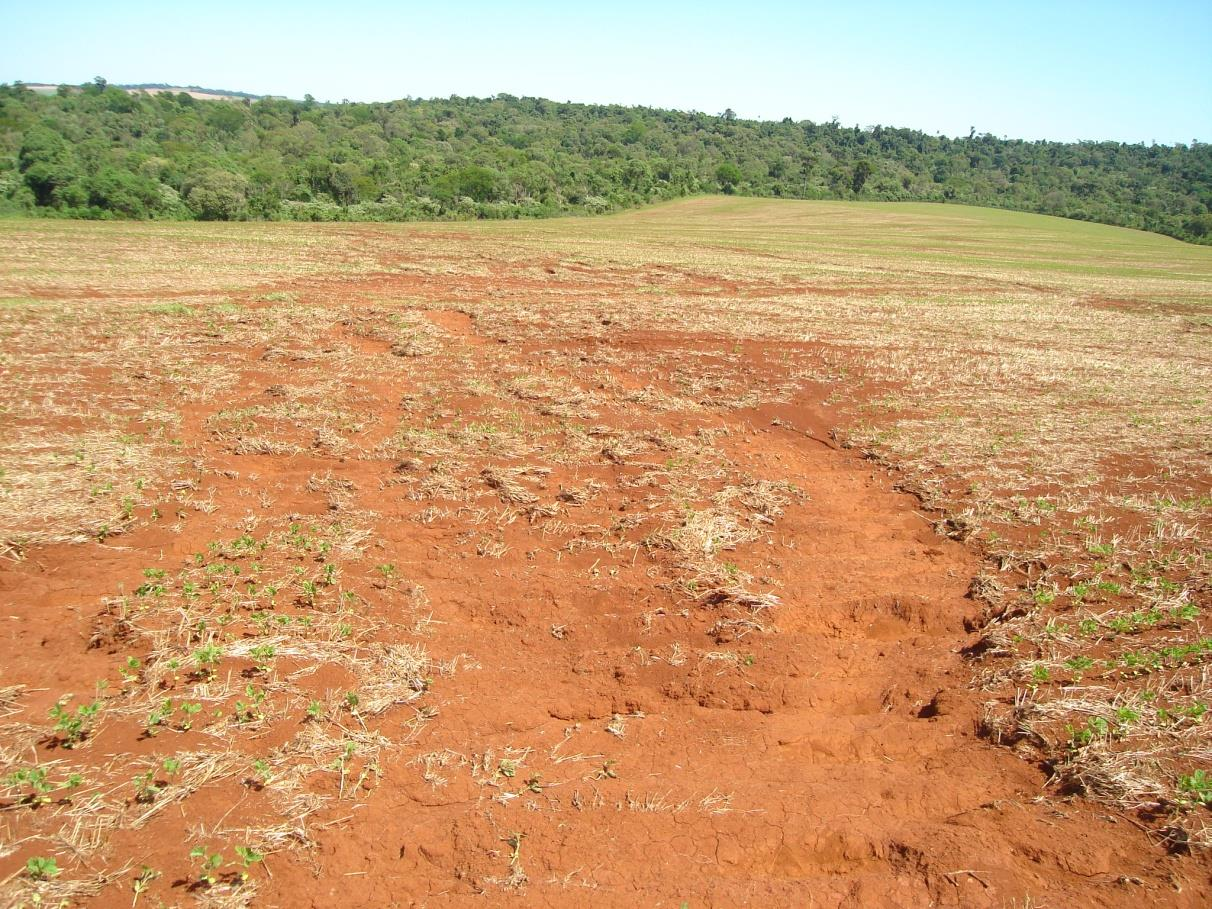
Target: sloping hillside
[102,152]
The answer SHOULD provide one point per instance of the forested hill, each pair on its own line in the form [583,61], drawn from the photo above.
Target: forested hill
[100,152]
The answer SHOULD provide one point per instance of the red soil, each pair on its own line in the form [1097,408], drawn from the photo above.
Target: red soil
[832,760]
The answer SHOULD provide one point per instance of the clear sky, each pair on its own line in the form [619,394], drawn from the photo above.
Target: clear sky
[1133,71]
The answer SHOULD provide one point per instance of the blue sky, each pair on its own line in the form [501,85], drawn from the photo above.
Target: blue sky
[1060,70]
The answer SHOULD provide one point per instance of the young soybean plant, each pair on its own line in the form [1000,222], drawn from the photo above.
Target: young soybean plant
[248,857]
[262,774]
[142,881]
[73,727]
[42,869]
[207,658]
[209,864]
[39,784]
[263,655]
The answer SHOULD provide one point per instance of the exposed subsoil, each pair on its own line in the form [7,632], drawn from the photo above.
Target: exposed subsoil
[645,753]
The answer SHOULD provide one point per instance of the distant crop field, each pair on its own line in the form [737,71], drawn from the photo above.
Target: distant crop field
[724,551]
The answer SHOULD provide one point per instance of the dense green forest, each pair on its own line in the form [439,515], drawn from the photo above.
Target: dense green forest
[96,151]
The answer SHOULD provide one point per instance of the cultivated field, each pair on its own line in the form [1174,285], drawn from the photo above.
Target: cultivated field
[727,552]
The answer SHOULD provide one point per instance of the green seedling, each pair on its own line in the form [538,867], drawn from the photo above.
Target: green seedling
[248,857]
[42,869]
[247,712]
[152,586]
[146,787]
[246,543]
[190,710]
[261,772]
[1078,664]
[262,654]
[35,778]
[39,784]
[309,592]
[159,717]
[341,764]
[1096,728]
[208,863]
[1196,787]
[142,881]
[72,727]
[207,658]
[1126,716]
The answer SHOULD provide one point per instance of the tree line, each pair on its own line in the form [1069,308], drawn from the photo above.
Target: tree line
[97,151]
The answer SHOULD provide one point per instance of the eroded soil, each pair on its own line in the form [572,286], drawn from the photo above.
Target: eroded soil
[681,648]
